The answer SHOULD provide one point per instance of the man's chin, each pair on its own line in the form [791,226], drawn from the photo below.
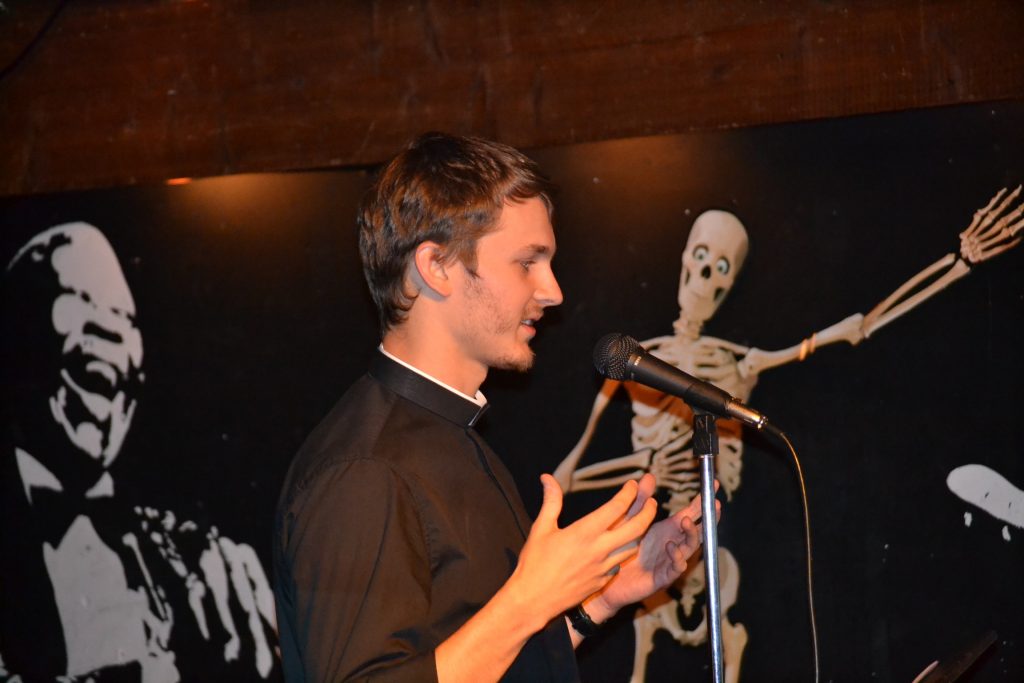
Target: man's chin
[522,363]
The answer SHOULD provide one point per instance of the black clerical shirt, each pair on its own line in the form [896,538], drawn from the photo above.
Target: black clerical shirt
[395,525]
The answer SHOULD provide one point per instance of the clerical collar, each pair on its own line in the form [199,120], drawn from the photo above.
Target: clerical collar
[478,399]
[424,390]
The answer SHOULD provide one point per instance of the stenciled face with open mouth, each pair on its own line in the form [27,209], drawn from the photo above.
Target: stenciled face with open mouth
[101,348]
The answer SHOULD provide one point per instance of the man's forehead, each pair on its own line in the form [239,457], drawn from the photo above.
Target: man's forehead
[87,263]
[525,226]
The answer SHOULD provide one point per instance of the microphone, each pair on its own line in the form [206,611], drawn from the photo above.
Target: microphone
[619,356]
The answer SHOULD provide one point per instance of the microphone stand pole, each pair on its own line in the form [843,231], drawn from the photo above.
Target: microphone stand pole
[705,447]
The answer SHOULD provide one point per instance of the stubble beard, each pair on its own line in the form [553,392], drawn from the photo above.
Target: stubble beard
[488,323]
[516,364]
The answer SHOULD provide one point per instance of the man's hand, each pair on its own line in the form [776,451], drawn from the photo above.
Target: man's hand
[661,559]
[220,579]
[558,568]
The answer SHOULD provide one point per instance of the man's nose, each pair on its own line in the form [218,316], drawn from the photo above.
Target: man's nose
[549,294]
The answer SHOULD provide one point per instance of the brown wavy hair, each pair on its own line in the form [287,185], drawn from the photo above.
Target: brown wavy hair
[441,188]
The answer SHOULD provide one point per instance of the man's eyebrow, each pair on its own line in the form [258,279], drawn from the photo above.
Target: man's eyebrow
[538,249]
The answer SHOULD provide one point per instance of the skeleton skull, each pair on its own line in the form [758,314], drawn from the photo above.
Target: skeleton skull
[712,259]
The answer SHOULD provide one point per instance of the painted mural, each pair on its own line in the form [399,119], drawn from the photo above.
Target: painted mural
[167,348]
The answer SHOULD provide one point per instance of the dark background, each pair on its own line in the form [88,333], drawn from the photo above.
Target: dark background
[254,320]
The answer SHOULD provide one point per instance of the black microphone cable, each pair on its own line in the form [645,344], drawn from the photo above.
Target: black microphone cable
[775,431]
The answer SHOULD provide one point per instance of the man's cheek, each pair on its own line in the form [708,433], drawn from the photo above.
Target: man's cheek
[69,313]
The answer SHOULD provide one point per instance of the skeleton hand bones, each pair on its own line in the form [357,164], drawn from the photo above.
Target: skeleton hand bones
[993,230]
[673,465]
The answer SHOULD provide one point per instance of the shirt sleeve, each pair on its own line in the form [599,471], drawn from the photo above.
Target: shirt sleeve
[360,577]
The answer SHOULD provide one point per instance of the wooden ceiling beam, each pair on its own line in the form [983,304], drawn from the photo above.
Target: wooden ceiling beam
[119,92]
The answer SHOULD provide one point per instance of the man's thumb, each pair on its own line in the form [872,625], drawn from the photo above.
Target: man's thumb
[552,505]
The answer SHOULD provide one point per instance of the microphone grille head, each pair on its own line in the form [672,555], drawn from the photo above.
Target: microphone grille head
[612,352]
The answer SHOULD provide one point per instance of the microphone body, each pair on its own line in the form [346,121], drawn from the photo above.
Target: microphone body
[618,356]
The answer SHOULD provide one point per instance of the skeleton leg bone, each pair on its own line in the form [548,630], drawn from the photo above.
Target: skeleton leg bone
[662,612]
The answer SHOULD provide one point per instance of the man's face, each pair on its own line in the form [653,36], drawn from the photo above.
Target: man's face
[513,284]
[101,350]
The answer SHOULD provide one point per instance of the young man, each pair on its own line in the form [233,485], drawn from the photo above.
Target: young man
[402,549]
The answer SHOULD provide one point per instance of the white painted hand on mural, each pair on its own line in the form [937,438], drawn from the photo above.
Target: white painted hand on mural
[220,575]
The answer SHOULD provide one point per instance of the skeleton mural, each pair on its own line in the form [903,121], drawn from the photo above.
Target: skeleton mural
[661,425]
[94,587]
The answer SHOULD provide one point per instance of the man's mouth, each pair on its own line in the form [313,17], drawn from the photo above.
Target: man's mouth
[531,322]
[93,375]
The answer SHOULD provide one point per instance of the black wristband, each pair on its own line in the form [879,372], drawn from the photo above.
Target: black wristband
[581,621]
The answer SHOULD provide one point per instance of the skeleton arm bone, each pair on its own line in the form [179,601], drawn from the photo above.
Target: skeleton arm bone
[672,466]
[757,361]
[668,463]
[635,465]
[899,303]
[564,473]
[992,231]
[857,327]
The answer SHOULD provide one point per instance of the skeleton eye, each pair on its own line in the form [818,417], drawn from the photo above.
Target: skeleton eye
[723,266]
[700,252]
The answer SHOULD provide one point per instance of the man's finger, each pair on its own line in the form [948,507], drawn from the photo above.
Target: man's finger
[695,504]
[691,534]
[634,527]
[619,558]
[547,518]
[608,514]
[632,545]
[645,489]
[677,555]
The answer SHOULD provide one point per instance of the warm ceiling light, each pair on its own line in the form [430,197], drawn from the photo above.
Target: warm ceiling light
[178,181]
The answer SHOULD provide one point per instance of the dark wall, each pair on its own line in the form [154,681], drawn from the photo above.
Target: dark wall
[117,92]
[255,319]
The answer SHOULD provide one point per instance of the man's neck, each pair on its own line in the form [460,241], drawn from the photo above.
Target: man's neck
[477,398]
[436,360]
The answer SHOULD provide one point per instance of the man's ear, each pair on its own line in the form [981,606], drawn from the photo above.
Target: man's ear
[430,270]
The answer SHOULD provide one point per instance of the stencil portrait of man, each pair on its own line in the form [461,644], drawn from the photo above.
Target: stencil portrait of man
[94,584]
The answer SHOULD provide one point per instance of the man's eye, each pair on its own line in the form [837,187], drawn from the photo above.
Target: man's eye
[526,264]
